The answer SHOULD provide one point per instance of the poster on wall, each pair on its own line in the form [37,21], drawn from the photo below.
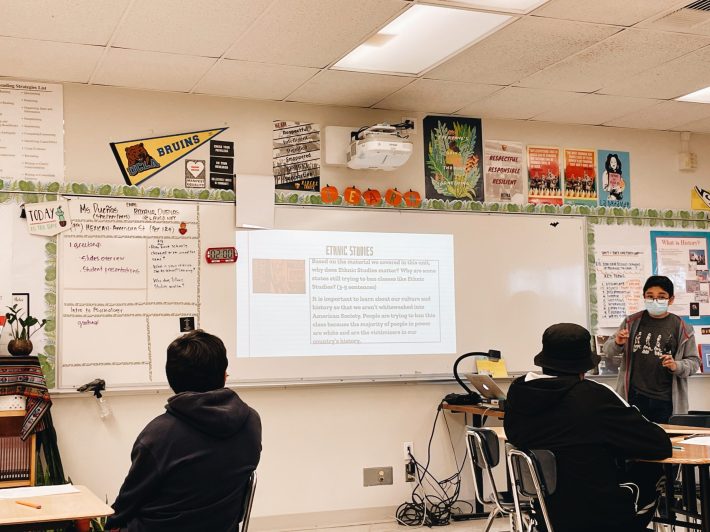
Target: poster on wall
[544,183]
[580,177]
[31,130]
[615,178]
[453,153]
[296,156]
[620,274]
[503,163]
[683,257]
[141,159]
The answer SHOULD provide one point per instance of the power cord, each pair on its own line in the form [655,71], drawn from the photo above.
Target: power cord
[433,501]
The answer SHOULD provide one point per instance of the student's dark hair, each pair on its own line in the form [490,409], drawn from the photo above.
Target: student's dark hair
[607,164]
[661,281]
[196,362]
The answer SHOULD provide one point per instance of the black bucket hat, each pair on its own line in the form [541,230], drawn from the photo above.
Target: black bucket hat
[566,347]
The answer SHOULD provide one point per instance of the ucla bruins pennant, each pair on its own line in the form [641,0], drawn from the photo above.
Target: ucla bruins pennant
[700,199]
[141,159]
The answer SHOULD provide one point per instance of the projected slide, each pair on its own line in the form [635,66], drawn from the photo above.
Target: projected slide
[309,293]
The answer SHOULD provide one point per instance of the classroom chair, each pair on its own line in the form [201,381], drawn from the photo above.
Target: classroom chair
[690,420]
[484,454]
[534,475]
[248,502]
[17,457]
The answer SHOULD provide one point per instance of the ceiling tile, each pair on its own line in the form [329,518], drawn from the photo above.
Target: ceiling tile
[151,70]
[520,49]
[190,28]
[626,13]
[626,53]
[435,96]
[665,115]
[669,80]
[259,81]
[696,126]
[45,60]
[516,103]
[312,32]
[76,21]
[594,109]
[338,87]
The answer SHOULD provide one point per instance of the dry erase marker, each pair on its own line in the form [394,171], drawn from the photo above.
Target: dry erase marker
[30,504]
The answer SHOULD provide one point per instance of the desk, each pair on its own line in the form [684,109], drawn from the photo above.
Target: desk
[475,410]
[55,509]
[683,429]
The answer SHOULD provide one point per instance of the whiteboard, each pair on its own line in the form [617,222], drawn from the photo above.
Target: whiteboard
[514,276]
[130,271]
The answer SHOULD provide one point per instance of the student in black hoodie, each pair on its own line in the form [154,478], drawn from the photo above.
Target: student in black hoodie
[592,431]
[191,464]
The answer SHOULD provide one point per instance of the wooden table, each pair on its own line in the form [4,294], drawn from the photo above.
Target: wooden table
[55,509]
[476,410]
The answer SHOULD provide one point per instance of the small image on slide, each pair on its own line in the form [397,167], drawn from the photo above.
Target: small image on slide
[279,276]
[697,256]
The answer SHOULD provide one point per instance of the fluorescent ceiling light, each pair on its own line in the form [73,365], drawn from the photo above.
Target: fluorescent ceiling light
[701,96]
[419,38]
[509,6]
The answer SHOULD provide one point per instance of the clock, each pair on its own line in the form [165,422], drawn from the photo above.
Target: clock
[216,255]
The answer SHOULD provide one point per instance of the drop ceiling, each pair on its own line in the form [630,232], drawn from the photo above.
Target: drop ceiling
[602,62]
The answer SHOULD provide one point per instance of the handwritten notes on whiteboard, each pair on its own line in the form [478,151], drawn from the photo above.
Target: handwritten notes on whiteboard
[621,273]
[129,272]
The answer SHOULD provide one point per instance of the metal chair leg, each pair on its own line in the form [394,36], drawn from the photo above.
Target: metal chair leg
[491,516]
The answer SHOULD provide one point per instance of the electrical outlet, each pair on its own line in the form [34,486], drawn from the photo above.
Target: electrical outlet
[377,476]
[412,131]
[408,448]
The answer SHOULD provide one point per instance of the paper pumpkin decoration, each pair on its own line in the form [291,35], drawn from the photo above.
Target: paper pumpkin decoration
[329,194]
[412,198]
[372,197]
[352,195]
[393,197]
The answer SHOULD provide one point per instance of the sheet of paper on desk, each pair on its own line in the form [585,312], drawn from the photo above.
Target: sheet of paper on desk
[704,440]
[36,491]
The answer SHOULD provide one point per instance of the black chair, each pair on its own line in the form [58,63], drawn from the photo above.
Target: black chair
[534,475]
[248,502]
[484,454]
[691,420]
[699,412]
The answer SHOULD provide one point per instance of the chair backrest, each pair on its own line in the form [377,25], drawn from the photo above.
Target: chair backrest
[17,457]
[484,455]
[248,502]
[534,475]
[690,420]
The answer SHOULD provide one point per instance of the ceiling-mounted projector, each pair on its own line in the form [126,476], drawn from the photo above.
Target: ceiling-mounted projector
[378,147]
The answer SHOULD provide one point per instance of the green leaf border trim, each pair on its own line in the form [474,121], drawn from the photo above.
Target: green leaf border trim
[34,192]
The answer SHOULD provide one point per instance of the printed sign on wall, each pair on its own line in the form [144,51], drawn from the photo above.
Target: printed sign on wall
[580,177]
[48,218]
[503,171]
[141,159]
[296,155]
[615,185]
[544,183]
[453,157]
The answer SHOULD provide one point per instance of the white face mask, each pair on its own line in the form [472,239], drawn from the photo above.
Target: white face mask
[656,307]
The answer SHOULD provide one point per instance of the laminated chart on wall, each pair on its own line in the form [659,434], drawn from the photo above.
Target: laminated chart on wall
[129,276]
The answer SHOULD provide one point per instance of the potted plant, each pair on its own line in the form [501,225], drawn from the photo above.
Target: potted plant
[21,330]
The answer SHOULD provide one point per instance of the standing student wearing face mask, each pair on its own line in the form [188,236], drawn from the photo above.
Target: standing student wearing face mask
[659,355]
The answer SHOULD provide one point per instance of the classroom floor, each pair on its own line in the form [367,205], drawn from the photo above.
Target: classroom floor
[499,525]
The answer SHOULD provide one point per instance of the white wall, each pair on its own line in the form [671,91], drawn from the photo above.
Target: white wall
[316,439]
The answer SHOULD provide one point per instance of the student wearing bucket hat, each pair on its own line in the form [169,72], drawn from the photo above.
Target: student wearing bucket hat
[659,354]
[590,429]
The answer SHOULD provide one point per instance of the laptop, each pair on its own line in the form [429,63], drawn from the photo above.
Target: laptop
[487,387]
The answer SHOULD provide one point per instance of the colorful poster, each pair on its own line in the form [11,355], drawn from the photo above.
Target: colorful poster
[544,183]
[31,131]
[296,155]
[620,274]
[683,257]
[503,171]
[615,179]
[580,177]
[453,153]
[141,159]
